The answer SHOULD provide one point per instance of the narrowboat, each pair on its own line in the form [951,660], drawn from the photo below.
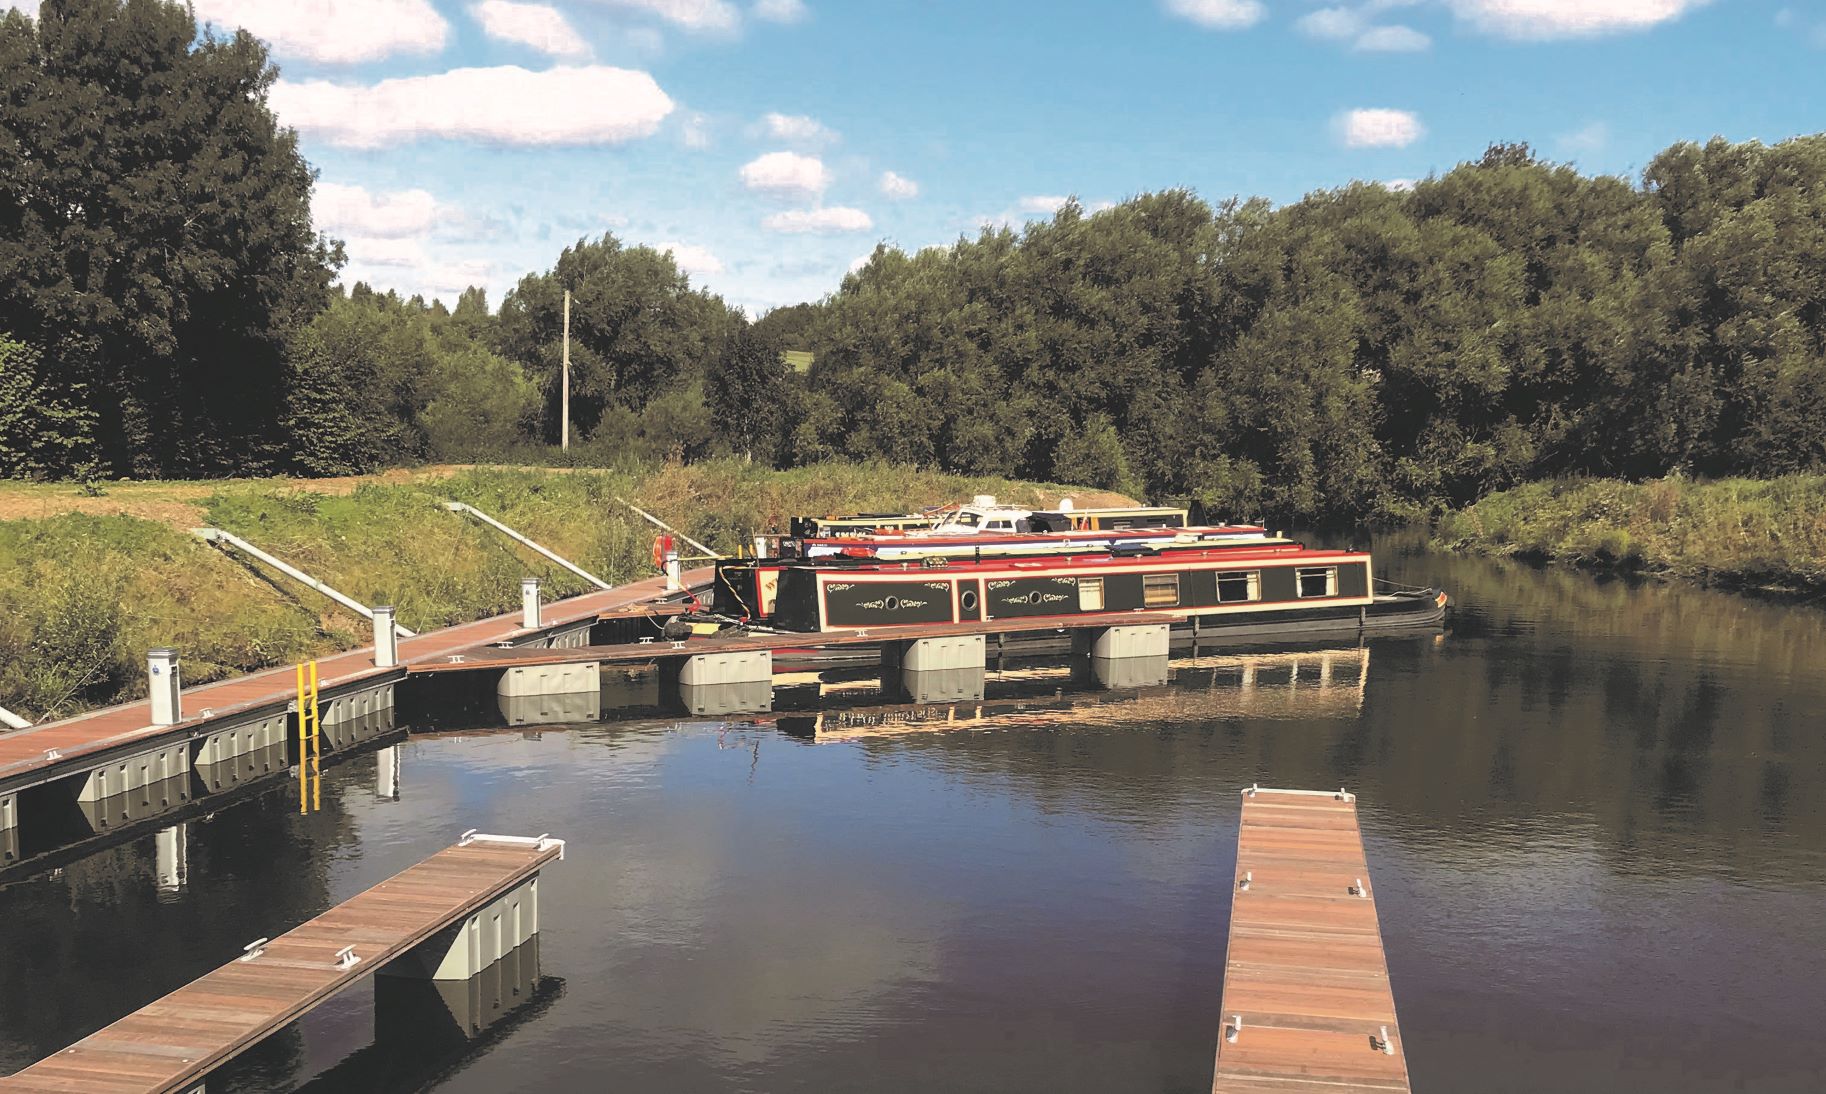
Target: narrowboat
[745,587]
[1271,588]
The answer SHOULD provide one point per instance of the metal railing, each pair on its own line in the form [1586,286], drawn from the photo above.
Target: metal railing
[218,537]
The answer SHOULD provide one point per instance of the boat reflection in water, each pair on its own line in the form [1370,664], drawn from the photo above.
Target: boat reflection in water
[1282,683]
[1304,685]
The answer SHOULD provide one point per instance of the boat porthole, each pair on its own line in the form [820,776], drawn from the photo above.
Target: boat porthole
[1033,597]
[893,604]
[968,600]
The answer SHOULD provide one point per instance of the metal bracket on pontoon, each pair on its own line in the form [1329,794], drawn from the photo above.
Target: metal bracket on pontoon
[218,537]
[459,507]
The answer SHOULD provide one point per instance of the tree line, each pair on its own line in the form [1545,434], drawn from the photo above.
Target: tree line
[1364,351]
[167,308]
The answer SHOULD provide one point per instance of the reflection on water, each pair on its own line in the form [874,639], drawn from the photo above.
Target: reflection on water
[1593,810]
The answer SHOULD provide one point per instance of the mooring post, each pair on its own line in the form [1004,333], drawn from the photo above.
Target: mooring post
[674,574]
[386,642]
[529,603]
[163,683]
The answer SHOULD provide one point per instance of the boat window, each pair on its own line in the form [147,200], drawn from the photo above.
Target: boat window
[1001,526]
[1318,581]
[1090,594]
[1160,590]
[1239,586]
[967,519]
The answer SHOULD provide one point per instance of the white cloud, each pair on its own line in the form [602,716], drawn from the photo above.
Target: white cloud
[505,104]
[1219,14]
[781,11]
[835,218]
[338,32]
[1393,39]
[406,267]
[1543,19]
[1789,19]
[859,262]
[538,26]
[691,258]
[1041,204]
[355,211]
[1354,25]
[786,173]
[391,253]
[1378,128]
[898,187]
[1588,138]
[1400,185]
[696,131]
[692,15]
[1338,23]
[796,127]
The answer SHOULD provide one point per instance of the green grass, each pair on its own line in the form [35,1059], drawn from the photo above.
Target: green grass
[799,360]
[84,595]
[1762,534]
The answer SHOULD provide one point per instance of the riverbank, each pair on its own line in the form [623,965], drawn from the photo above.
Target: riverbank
[91,579]
[1764,535]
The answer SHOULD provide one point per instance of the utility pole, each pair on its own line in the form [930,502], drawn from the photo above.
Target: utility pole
[564,428]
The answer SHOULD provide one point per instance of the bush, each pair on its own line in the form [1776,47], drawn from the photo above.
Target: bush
[1768,534]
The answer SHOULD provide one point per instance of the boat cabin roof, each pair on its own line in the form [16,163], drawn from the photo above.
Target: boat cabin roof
[1280,551]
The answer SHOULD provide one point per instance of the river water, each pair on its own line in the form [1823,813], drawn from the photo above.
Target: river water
[1595,814]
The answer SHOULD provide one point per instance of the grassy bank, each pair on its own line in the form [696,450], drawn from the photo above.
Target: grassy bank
[1760,534]
[88,583]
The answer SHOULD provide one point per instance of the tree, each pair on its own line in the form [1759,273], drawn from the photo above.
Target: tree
[638,329]
[360,378]
[746,391]
[482,405]
[44,432]
[156,226]
[788,328]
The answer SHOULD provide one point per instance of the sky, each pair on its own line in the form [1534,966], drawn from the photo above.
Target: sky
[771,144]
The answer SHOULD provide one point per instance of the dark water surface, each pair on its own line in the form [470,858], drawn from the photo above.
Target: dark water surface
[1595,814]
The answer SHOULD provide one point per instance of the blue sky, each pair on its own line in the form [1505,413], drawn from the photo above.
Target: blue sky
[510,129]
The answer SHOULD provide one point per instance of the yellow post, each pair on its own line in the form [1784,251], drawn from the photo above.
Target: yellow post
[304,712]
[316,746]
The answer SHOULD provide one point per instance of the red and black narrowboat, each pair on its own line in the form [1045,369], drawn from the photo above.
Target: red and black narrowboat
[1266,588]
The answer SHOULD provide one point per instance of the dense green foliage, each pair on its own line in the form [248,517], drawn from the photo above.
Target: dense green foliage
[749,392]
[82,597]
[155,235]
[1362,351]
[46,428]
[1764,534]
[638,331]
[375,380]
